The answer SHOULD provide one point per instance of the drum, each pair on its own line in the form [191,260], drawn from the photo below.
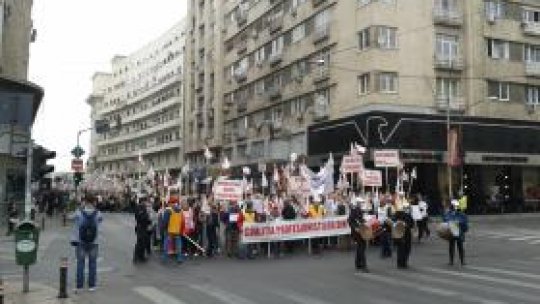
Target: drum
[399,230]
[443,231]
[365,232]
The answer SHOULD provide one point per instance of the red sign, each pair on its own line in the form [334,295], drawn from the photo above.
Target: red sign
[77,165]
[352,164]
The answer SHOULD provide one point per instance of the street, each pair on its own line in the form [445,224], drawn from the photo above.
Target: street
[502,257]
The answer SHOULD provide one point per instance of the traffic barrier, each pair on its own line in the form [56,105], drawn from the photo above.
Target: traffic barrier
[62,293]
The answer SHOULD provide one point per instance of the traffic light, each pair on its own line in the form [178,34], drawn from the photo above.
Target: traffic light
[39,163]
[77,178]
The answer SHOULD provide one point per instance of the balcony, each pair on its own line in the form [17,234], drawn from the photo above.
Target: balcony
[241,18]
[275,59]
[273,93]
[451,17]
[320,75]
[321,34]
[316,3]
[241,47]
[532,68]
[240,75]
[457,104]
[276,24]
[531,28]
[448,63]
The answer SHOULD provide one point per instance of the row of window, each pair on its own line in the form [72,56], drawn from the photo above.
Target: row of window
[161,159]
[514,51]
[141,143]
[276,47]
[148,122]
[506,91]
[502,9]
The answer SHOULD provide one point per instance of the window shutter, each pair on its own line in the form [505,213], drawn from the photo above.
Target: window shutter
[493,89]
[517,93]
[377,81]
[516,51]
[490,47]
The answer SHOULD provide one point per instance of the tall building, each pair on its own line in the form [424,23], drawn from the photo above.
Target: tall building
[204,84]
[142,101]
[311,76]
[19,98]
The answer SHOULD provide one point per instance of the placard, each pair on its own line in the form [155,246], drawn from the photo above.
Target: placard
[372,178]
[352,164]
[228,190]
[386,158]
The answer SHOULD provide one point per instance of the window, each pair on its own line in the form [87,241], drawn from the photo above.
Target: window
[532,95]
[446,47]
[447,88]
[322,20]
[499,90]
[531,16]
[495,9]
[298,33]
[446,5]
[363,84]
[498,49]
[387,37]
[277,45]
[242,150]
[531,53]
[363,39]
[388,82]
[257,149]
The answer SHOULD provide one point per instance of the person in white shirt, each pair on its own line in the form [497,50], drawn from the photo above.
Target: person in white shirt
[423,223]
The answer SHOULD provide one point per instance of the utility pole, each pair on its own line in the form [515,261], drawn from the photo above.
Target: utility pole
[28,186]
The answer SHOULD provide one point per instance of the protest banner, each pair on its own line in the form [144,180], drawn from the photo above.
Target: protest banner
[386,158]
[294,230]
[372,178]
[229,190]
[299,186]
[352,164]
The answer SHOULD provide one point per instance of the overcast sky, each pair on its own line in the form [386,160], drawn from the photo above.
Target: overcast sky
[75,39]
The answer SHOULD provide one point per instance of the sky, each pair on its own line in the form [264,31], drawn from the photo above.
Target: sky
[75,39]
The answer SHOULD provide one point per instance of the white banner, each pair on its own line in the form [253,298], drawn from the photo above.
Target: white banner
[352,164]
[299,185]
[293,230]
[372,178]
[229,190]
[386,158]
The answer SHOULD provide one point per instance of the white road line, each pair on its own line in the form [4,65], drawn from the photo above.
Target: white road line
[220,294]
[485,278]
[507,272]
[156,296]
[524,238]
[299,298]
[429,289]
[534,242]
[486,288]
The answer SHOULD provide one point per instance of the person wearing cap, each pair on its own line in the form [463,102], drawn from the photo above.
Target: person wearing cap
[355,220]
[459,225]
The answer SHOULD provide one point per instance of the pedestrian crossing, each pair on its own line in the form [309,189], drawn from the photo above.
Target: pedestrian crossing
[525,236]
[478,284]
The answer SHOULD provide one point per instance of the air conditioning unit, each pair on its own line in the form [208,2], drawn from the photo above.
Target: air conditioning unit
[530,108]
[491,18]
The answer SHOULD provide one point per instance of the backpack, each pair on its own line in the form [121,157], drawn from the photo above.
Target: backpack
[88,228]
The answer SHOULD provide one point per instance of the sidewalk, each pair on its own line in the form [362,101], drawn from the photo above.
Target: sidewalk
[39,294]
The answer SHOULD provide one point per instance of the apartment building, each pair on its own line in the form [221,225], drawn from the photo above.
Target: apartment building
[419,67]
[18,96]
[204,85]
[142,99]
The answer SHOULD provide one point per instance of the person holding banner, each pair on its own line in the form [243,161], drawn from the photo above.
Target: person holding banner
[212,228]
[230,219]
[356,221]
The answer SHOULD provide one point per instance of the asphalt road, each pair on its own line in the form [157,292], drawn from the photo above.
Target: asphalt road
[502,255]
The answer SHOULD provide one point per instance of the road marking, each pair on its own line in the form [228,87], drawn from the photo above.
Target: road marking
[220,294]
[524,238]
[299,298]
[486,288]
[156,296]
[535,242]
[389,280]
[507,272]
[484,278]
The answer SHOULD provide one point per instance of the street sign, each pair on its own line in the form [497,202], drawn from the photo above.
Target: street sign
[77,165]
[77,152]
[386,158]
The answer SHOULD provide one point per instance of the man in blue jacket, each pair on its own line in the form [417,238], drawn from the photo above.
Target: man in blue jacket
[459,225]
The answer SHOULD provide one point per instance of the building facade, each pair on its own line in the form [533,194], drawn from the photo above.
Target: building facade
[17,95]
[292,69]
[142,100]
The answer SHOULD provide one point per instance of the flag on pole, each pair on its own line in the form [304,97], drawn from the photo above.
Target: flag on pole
[360,149]
[166,178]
[264,182]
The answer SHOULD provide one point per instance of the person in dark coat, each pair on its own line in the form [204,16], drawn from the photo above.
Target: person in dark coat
[459,219]
[355,221]
[212,228]
[288,214]
[404,244]
[142,222]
